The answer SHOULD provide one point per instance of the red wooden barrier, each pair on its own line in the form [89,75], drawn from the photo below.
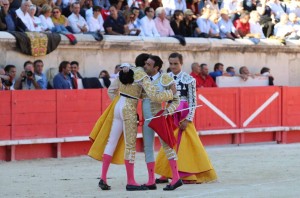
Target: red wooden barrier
[77,111]
[5,115]
[291,113]
[34,114]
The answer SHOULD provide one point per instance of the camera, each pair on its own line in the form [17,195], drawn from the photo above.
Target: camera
[29,73]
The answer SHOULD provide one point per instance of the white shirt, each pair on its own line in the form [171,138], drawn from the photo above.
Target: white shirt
[156,76]
[37,21]
[74,21]
[225,27]
[276,8]
[89,13]
[148,27]
[95,24]
[204,25]
[26,19]
[282,29]
[46,22]
[255,28]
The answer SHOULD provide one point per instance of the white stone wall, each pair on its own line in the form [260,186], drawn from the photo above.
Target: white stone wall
[95,56]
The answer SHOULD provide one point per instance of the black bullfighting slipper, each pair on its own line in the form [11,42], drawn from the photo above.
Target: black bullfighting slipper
[150,187]
[161,181]
[135,188]
[173,187]
[103,185]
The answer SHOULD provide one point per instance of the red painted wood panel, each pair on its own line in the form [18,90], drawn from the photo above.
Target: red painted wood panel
[77,117]
[5,132]
[291,106]
[222,139]
[224,99]
[34,151]
[105,100]
[3,153]
[70,149]
[33,131]
[258,137]
[74,129]
[5,108]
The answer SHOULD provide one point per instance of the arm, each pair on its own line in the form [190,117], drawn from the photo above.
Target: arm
[113,89]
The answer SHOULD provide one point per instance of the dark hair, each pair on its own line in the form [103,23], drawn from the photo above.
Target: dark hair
[141,59]
[63,65]
[168,70]
[157,61]
[202,65]
[147,9]
[244,14]
[177,55]
[264,69]
[176,14]
[117,66]
[7,68]
[229,68]
[115,6]
[126,78]
[217,66]
[97,8]
[241,69]
[26,63]
[74,63]
[106,73]
[37,61]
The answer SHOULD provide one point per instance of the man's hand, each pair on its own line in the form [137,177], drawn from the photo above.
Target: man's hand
[183,125]
[173,88]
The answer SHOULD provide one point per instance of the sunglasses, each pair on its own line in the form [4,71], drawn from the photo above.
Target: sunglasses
[55,12]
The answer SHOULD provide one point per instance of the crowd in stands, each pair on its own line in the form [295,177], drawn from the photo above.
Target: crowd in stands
[230,19]
[68,77]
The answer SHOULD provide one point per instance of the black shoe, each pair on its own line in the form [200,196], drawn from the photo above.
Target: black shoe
[103,185]
[135,188]
[173,187]
[161,181]
[150,187]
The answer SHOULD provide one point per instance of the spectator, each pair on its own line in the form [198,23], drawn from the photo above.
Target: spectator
[62,80]
[10,71]
[115,24]
[267,19]
[249,5]
[177,23]
[40,77]
[265,71]
[294,7]
[119,4]
[162,23]
[36,20]
[6,19]
[242,24]
[244,73]
[193,5]
[104,79]
[230,71]
[3,78]
[227,30]
[231,6]
[204,24]
[102,3]
[132,23]
[283,30]
[148,27]
[218,71]
[255,27]
[196,70]
[205,80]
[45,18]
[76,21]
[116,72]
[58,19]
[24,21]
[215,31]
[95,22]
[155,4]
[86,10]
[212,4]
[190,24]
[27,80]
[294,23]
[276,8]
[74,74]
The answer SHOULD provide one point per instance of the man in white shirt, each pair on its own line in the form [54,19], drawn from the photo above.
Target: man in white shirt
[255,27]
[204,24]
[276,8]
[96,21]
[22,13]
[148,27]
[227,30]
[76,21]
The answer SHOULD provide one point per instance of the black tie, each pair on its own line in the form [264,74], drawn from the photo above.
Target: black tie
[151,78]
[175,77]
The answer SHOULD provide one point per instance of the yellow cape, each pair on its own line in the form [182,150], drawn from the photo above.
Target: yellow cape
[100,135]
[192,158]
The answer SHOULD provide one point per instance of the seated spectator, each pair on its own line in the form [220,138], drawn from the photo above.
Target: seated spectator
[265,71]
[213,5]
[196,70]
[95,22]
[294,7]
[74,74]
[2,77]
[276,8]
[36,20]
[119,4]
[148,27]
[215,31]
[23,20]
[155,4]
[205,80]
[116,72]
[10,72]
[177,23]
[86,9]
[227,30]
[62,80]
[115,24]
[294,23]
[190,24]
[255,27]
[162,23]
[40,77]
[218,71]
[76,21]
[230,71]
[105,4]
[267,19]
[245,74]
[231,6]
[193,5]
[27,80]
[132,23]
[60,20]
[283,30]
[104,79]
[173,5]
[46,18]
[204,24]
[6,20]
